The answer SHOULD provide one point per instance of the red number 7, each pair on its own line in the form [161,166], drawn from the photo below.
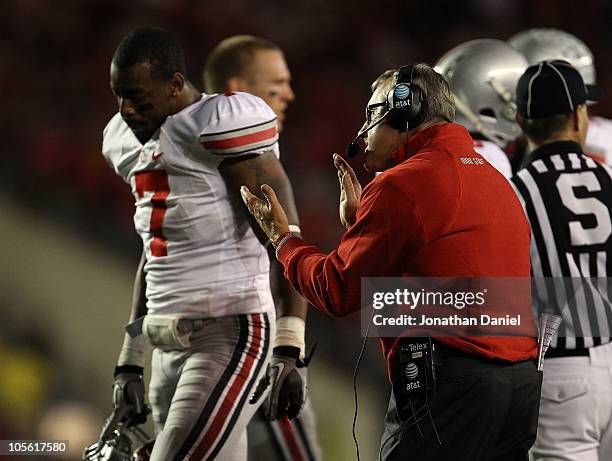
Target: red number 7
[157,182]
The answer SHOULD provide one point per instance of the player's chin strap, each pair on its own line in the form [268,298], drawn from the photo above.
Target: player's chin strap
[503,93]
[477,122]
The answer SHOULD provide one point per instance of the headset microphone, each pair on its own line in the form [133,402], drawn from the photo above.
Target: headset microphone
[353,148]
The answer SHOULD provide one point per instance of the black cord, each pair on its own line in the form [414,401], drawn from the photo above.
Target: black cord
[404,427]
[365,340]
[433,424]
[410,423]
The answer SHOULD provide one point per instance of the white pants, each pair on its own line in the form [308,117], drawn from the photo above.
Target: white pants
[199,396]
[576,408]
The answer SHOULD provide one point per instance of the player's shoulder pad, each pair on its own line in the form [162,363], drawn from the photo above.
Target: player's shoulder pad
[236,123]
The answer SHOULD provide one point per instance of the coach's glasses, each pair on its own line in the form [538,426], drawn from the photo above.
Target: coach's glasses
[371,110]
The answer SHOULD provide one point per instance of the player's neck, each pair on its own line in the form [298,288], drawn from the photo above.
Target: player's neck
[188,95]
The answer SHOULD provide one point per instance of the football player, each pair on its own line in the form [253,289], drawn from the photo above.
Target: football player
[482,74]
[258,66]
[547,44]
[203,280]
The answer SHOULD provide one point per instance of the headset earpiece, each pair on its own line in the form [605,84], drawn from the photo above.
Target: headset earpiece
[405,101]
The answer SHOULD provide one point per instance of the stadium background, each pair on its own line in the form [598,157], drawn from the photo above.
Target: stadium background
[68,246]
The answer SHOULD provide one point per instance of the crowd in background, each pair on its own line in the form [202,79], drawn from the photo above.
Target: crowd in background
[56,95]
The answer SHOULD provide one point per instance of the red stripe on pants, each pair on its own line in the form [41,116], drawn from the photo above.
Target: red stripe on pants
[292,445]
[238,385]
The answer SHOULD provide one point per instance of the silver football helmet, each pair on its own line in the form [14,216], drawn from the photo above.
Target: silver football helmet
[544,44]
[122,445]
[482,75]
[118,442]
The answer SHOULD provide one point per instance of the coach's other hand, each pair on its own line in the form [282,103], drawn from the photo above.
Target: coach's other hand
[269,214]
[350,191]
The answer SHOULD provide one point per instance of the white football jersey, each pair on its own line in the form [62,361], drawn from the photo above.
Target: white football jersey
[494,154]
[599,139]
[202,257]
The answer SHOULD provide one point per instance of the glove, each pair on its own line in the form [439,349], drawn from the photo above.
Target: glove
[129,408]
[287,374]
[128,395]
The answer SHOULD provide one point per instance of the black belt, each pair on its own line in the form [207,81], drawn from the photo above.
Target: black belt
[553,353]
[445,351]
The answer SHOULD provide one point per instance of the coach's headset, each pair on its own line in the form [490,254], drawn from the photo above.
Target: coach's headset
[405,106]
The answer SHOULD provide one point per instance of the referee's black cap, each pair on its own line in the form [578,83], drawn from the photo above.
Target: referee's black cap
[549,88]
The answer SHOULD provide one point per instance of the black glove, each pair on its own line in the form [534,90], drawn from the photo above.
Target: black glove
[287,373]
[129,407]
[128,394]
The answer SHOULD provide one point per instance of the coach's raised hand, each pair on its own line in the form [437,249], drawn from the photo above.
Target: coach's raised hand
[269,214]
[350,191]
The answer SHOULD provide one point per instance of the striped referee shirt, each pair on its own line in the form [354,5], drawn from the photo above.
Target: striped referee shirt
[567,198]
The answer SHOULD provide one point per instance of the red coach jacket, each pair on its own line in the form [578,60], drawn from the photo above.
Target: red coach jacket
[434,215]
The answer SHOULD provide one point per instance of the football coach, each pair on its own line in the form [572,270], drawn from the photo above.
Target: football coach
[436,210]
